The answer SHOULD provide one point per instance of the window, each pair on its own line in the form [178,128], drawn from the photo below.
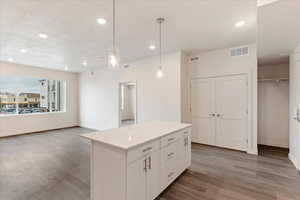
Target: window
[22,95]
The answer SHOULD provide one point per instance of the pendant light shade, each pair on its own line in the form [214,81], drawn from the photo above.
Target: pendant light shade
[159,72]
[113,58]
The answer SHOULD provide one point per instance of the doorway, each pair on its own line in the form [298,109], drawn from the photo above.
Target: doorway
[127,103]
[273,107]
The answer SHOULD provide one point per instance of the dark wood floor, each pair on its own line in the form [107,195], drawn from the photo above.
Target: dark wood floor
[55,166]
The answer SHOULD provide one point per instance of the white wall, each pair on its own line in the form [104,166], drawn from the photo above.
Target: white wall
[273,106]
[99,99]
[220,63]
[294,133]
[157,99]
[19,124]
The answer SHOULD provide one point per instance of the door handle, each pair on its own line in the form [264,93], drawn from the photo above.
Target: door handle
[219,115]
[212,115]
[145,164]
[150,162]
[147,149]
[297,117]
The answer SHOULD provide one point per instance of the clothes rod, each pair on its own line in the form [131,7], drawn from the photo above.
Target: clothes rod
[273,79]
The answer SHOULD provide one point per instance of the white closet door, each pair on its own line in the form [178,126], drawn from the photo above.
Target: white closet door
[202,100]
[231,109]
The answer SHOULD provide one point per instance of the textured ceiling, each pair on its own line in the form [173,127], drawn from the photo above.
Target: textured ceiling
[278,31]
[74,34]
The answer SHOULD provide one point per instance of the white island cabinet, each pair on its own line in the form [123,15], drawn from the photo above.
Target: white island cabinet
[138,162]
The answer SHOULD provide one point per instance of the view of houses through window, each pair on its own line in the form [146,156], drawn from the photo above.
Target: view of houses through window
[22,95]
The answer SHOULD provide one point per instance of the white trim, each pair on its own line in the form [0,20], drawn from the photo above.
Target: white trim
[252,151]
[31,114]
[293,159]
[119,101]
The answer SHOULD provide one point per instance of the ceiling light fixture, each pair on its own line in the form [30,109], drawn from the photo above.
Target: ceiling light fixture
[240,24]
[84,63]
[43,36]
[113,56]
[23,50]
[66,68]
[152,47]
[10,60]
[159,72]
[101,21]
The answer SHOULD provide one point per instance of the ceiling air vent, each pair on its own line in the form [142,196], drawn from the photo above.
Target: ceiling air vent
[240,51]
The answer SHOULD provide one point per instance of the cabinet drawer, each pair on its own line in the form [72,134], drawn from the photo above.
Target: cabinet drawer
[169,139]
[140,151]
[169,165]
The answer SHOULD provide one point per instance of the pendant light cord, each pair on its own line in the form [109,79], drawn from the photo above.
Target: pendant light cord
[160,51]
[114,25]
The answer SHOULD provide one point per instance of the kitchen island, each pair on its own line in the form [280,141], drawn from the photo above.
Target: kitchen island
[138,162]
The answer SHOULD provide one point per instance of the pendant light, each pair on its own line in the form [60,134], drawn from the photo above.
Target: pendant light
[113,56]
[159,72]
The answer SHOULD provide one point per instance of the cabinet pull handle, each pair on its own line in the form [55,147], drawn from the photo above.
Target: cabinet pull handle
[147,149]
[170,139]
[170,174]
[186,141]
[145,165]
[150,162]
[171,154]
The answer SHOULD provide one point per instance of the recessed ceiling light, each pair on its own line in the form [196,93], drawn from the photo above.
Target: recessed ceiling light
[66,68]
[10,60]
[240,24]
[152,47]
[23,50]
[84,63]
[101,21]
[42,35]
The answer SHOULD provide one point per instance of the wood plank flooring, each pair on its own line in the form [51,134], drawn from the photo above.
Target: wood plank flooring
[54,165]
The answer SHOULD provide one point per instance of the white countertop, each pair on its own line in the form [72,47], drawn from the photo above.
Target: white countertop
[134,135]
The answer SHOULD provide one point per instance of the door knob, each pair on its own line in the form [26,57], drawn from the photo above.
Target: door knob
[297,117]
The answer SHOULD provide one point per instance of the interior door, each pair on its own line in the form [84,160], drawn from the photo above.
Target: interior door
[153,175]
[136,182]
[294,118]
[231,112]
[183,152]
[202,101]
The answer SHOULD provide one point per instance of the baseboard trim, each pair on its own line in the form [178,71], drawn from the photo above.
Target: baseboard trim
[42,131]
[293,159]
[252,152]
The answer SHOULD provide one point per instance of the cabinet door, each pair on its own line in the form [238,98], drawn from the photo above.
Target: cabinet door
[168,165]
[153,175]
[136,180]
[183,153]
[203,111]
